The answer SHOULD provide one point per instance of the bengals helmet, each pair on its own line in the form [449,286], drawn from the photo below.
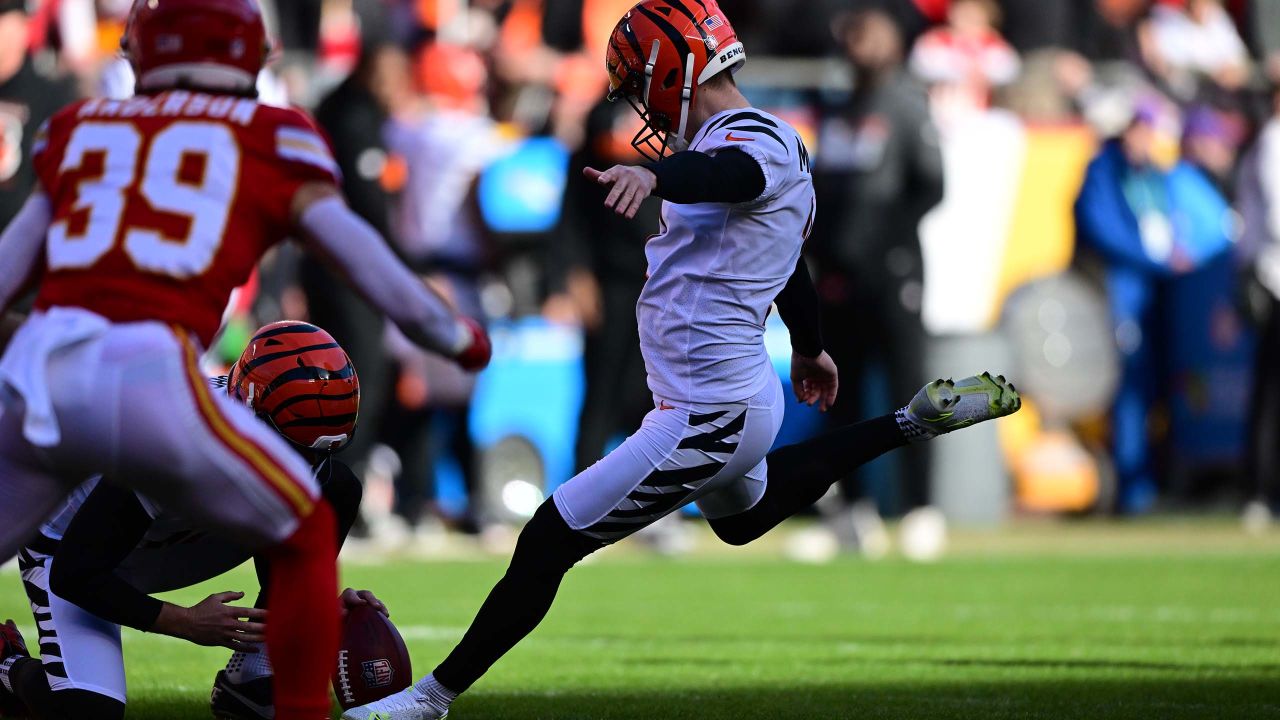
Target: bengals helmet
[296,377]
[215,45]
[659,54]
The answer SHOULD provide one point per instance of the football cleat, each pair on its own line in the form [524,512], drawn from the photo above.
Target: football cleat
[945,405]
[11,645]
[250,700]
[408,704]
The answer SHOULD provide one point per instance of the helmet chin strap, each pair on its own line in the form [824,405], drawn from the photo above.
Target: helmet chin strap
[686,96]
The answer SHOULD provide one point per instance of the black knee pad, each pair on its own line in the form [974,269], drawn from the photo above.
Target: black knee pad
[733,531]
[82,705]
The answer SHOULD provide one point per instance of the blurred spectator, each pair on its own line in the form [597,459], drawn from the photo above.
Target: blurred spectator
[27,99]
[597,272]
[1188,40]
[353,115]
[445,145]
[1210,141]
[877,172]
[966,58]
[1033,25]
[1109,30]
[1259,252]
[789,28]
[71,27]
[1144,225]
[1264,21]
[298,24]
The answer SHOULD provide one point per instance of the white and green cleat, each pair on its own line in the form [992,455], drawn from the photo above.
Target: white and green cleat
[408,704]
[946,405]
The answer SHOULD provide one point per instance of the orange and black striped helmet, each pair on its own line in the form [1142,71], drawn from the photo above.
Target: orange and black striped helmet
[296,377]
[659,54]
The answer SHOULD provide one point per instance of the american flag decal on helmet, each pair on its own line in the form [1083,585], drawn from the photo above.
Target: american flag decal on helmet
[713,22]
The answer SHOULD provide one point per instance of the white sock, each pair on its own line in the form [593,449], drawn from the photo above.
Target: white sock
[244,667]
[6,667]
[437,695]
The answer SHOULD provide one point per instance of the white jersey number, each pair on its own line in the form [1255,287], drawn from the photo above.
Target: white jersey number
[205,205]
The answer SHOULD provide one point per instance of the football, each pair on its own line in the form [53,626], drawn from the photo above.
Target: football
[372,660]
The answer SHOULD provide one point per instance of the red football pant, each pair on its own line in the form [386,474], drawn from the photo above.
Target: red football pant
[303,621]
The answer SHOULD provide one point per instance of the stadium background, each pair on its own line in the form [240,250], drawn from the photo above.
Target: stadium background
[1147,364]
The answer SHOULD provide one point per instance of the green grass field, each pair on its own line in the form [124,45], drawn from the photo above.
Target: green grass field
[1157,620]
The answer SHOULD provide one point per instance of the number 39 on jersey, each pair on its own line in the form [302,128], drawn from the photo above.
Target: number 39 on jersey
[199,199]
[165,202]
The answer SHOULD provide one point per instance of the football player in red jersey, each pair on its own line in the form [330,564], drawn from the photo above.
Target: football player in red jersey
[93,565]
[148,212]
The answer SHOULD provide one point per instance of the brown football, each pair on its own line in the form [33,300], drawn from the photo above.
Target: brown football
[373,661]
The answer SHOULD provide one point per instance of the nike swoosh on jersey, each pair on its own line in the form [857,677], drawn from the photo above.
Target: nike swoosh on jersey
[734,138]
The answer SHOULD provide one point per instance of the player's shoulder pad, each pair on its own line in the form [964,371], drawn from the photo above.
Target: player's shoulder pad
[296,137]
[56,125]
[50,140]
[774,144]
[752,130]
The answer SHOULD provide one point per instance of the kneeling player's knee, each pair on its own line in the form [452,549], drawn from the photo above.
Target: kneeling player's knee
[732,532]
[82,704]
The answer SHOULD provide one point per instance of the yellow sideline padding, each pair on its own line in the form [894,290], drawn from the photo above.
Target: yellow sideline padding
[1042,232]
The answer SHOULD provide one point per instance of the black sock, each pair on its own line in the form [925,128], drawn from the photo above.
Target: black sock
[31,685]
[800,474]
[547,548]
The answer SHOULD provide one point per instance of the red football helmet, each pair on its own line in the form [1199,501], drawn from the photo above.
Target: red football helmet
[296,377]
[659,54]
[217,45]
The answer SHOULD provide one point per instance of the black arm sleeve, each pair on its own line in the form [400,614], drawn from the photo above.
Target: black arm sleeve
[798,307]
[730,176]
[104,531]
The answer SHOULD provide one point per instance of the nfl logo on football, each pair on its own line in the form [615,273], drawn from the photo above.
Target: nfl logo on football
[377,673]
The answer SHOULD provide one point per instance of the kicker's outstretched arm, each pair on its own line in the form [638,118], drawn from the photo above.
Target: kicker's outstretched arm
[686,178]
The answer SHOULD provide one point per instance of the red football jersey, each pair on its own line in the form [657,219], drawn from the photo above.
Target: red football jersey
[163,204]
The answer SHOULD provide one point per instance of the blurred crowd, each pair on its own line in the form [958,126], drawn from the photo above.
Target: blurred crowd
[924,117]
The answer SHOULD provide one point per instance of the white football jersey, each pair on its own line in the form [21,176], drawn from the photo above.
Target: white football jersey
[715,269]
